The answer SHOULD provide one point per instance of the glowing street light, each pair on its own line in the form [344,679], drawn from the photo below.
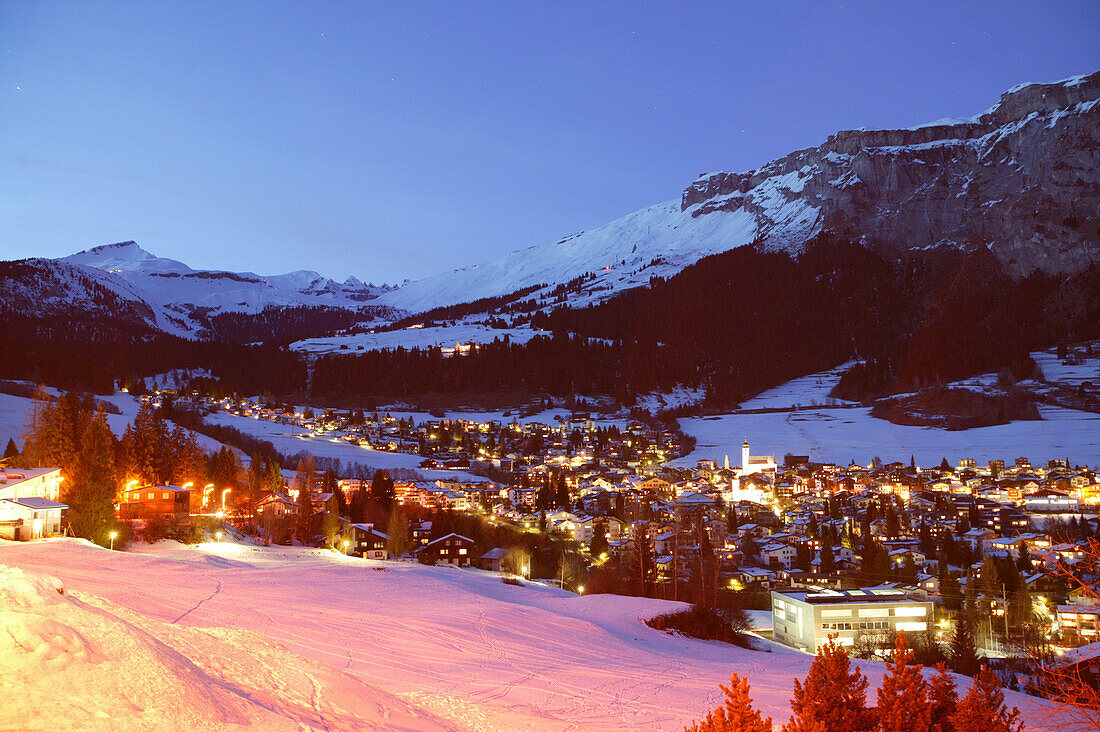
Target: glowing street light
[345,545]
[224,493]
[114,535]
[206,491]
[580,589]
[218,535]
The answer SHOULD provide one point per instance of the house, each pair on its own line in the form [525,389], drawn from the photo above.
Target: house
[450,549]
[32,517]
[150,502]
[368,542]
[1082,663]
[776,554]
[491,560]
[1079,623]
[804,620]
[1049,499]
[22,483]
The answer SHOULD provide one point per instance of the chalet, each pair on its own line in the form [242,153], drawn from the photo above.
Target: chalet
[1082,663]
[276,504]
[368,542]
[22,483]
[1050,500]
[450,549]
[168,502]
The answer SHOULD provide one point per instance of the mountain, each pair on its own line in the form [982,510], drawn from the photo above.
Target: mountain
[1022,178]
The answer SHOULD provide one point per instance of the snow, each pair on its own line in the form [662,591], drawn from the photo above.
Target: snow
[805,391]
[125,670]
[841,435]
[15,415]
[226,635]
[447,336]
[638,238]
[291,440]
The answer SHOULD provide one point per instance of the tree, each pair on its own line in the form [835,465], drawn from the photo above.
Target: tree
[401,540]
[833,698]
[828,560]
[983,707]
[941,693]
[736,714]
[381,488]
[11,451]
[644,564]
[903,701]
[964,656]
[599,544]
[303,483]
[91,491]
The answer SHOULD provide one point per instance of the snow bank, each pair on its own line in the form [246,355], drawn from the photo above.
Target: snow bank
[119,670]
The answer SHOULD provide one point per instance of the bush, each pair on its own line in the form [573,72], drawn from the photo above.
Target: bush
[706,623]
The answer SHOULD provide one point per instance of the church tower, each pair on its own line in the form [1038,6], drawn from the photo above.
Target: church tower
[745,456]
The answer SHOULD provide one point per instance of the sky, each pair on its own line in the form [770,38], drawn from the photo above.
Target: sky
[396,140]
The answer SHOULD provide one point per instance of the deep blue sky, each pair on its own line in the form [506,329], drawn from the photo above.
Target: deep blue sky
[398,139]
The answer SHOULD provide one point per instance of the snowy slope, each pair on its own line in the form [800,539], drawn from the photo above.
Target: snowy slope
[619,254]
[457,645]
[176,290]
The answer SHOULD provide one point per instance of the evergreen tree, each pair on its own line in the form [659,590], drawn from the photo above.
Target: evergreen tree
[736,714]
[91,491]
[964,655]
[644,564]
[983,707]
[11,451]
[599,544]
[562,492]
[833,698]
[903,701]
[941,693]
[381,488]
[828,560]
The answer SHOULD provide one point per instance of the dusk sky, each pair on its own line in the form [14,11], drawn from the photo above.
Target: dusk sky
[394,140]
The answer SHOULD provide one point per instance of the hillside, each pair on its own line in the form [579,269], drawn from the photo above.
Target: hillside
[1022,177]
[352,643]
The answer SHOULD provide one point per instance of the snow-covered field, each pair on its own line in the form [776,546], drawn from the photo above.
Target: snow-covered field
[806,391]
[222,636]
[15,413]
[447,336]
[291,439]
[844,435]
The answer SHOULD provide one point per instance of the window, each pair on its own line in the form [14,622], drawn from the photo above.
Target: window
[910,612]
[908,627]
[836,613]
[164,495]
[461,551]
[874,612]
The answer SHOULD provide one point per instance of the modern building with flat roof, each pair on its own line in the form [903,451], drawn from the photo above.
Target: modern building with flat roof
[805,620]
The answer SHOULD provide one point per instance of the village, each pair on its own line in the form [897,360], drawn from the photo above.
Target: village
[590,505]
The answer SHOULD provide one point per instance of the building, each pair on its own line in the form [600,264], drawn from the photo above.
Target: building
[168,502]
[805,620]
[756,463]
[1079,623]
[450,549]
[368,542]
[33,517]
[40,482]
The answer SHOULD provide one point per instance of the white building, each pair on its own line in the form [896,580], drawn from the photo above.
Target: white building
[756,463]
[805,620]
[29,507]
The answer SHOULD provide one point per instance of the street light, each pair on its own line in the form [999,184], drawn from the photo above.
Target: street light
[345,545]
[206,491]
[224,492]
[114,534]
[580,589]
[218,535]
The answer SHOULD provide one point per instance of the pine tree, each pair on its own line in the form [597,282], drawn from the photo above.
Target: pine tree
[91,491]
[903,700]
[381,488]
[401,541]
[303,482]
[983,707]
[11,451]
[598,545]
[964,656]
[828,560]
[941,692]
[833,698]
[736,714]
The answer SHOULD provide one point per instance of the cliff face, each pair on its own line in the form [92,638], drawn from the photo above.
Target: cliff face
[1022,178]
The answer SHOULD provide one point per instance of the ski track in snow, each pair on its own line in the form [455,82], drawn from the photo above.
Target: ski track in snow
[458,645]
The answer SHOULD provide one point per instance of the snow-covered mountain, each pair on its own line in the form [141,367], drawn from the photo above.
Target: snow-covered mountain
[1022,177]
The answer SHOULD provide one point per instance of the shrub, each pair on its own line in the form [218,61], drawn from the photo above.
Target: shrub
[706,623]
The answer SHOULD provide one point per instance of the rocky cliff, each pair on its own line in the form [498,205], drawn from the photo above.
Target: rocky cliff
[1022,178]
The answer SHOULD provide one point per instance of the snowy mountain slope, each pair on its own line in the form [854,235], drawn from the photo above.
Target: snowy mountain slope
[1023,177]
[180,290]
[456,645]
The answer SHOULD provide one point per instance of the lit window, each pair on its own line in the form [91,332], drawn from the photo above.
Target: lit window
[461,551]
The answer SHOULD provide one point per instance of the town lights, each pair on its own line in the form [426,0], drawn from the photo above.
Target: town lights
[113,535]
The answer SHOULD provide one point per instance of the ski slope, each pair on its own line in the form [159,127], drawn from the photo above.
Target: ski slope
[277,637]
